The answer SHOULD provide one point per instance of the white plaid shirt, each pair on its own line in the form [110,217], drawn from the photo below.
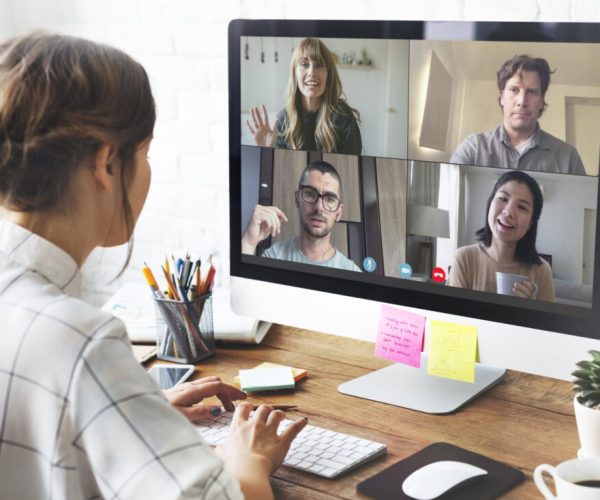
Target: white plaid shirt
[79,417]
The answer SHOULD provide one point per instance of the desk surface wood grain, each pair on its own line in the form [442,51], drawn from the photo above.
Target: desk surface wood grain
[523,421]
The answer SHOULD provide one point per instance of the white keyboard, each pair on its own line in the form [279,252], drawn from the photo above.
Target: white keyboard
[316,450]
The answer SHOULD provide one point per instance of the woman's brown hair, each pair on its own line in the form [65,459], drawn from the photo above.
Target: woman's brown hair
[61,98]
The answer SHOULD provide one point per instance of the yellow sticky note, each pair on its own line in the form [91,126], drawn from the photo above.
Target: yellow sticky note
[452,350]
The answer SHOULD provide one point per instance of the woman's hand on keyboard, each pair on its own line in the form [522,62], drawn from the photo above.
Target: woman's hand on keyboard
[185,397]
[253,450]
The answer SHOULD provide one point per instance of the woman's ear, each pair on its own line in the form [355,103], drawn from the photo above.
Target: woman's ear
[104,167]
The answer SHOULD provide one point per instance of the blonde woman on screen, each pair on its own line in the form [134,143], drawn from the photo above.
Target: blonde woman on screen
[317,116]
[79,417]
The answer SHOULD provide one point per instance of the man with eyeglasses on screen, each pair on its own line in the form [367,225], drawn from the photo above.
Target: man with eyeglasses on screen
[519,142]
[319,202]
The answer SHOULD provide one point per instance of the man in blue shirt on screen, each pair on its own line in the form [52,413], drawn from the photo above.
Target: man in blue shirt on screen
[519,142]
[319,202]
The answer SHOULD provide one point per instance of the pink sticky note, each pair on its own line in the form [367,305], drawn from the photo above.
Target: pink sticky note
[400,336]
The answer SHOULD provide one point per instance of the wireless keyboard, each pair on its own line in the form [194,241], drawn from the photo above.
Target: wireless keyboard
[315,450]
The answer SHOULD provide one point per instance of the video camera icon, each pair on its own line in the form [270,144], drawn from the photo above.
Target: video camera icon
[405,270]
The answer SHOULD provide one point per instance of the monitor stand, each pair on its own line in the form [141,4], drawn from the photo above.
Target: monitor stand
[413,388]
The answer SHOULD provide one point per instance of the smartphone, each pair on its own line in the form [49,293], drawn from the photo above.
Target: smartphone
[167,376]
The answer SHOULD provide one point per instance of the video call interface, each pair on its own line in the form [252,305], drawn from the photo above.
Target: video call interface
[464,167]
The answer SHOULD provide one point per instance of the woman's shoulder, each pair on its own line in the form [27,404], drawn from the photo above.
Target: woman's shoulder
[342,109]
[87,320]
[58,325]
[543,267]
[469,251]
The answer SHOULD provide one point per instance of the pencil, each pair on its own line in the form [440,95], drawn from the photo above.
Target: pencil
[168,270]
[151,281]
[170,285]
[198,280]
[207,286]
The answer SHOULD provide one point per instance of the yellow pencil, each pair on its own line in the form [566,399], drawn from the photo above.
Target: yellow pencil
[151,281]
[167,267]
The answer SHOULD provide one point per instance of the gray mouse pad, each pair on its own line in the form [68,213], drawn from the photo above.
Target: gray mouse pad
[388,483]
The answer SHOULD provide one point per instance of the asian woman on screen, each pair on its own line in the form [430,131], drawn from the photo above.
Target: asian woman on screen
[79,417]
[506,242]
[316,116]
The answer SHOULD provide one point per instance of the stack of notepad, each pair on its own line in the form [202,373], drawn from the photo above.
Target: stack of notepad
[269,377]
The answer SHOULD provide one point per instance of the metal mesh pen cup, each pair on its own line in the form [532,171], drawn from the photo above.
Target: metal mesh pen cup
[184,329]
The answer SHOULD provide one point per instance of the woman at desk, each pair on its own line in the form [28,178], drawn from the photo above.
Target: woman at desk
[507,242]
[316,116]
[79,417]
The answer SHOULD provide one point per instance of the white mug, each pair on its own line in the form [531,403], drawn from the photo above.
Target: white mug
[566,477]
[505,282]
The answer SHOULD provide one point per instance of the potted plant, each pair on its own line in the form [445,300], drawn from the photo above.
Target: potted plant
[587,405]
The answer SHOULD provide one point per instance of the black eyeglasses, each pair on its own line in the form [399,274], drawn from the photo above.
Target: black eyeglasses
[310,195]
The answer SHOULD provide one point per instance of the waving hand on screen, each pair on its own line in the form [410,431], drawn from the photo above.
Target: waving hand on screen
[259,127]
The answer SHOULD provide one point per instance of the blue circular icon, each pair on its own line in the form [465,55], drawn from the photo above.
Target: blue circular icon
[369,264]
[405,270]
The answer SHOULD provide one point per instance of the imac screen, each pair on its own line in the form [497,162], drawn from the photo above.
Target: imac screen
[447,166]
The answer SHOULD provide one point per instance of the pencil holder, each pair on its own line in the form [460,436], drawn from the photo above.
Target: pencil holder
[185,332]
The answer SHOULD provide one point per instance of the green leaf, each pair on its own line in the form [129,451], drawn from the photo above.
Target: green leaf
[585,364]
[589,365]
[585,385]
[581,374]
[595,354]
[591,394]
[590,403]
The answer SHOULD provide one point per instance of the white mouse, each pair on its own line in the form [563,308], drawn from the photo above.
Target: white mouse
[436,478]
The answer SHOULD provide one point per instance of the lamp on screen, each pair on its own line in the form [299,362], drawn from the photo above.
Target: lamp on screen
[432,222]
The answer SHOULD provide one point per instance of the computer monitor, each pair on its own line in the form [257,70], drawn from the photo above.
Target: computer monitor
[446,139]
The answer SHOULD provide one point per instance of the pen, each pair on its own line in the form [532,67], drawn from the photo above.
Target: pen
[277,407]
[191,274]
[185,272]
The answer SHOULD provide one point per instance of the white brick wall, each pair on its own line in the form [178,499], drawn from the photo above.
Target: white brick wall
[183,45]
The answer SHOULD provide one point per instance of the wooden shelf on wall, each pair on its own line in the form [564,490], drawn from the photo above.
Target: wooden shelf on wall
[355,66]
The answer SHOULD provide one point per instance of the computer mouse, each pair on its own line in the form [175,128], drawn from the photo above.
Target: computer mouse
[435,479]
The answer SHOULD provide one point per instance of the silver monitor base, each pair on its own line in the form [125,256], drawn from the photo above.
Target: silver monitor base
[413,388]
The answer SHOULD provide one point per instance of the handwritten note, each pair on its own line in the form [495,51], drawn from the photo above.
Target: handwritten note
[452,350]
[400,336]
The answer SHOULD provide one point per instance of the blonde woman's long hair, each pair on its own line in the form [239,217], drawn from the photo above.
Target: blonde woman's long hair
[325,134]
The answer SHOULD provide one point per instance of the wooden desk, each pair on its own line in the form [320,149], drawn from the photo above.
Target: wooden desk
[523,421]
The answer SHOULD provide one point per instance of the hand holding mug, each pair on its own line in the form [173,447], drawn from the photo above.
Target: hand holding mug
[525,289]
[518,285]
